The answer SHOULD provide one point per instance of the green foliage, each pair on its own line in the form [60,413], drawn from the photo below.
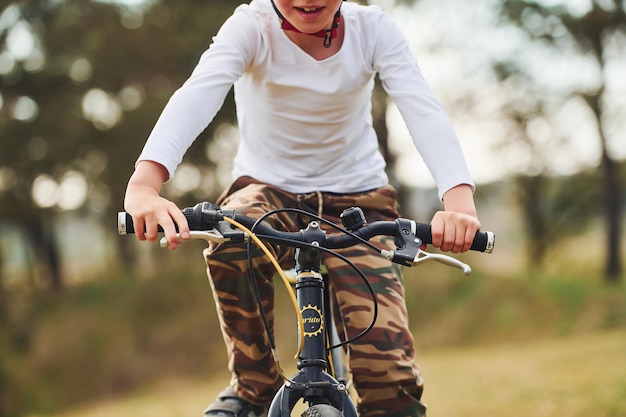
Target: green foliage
[150,50]
[484,309]
[554,209]
[592,34]
[103,338]
[90,90]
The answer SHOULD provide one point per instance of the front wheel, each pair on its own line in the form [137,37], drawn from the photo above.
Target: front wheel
[322,410]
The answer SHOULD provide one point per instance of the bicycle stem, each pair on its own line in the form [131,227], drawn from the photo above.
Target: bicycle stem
[310,295]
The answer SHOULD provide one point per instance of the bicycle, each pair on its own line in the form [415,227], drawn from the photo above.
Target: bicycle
[321,381]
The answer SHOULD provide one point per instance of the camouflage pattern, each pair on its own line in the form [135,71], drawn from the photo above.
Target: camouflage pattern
[385,375]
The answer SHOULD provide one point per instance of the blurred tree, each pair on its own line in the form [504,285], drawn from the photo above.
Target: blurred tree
[81,84]
[596,34]
[554,208]
[536,98]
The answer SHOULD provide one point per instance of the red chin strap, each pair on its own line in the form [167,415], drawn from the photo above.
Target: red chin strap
[327,34]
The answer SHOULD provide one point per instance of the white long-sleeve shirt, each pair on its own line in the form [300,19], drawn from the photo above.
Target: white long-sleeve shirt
[305,124]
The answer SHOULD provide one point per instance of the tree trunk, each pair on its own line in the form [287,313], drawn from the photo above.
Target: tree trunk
[46,250]
[531,193]
[613,217]
[612,186]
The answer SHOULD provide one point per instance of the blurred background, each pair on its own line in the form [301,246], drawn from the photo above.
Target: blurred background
[95,324]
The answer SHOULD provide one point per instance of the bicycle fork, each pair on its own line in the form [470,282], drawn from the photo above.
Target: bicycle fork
[312,383]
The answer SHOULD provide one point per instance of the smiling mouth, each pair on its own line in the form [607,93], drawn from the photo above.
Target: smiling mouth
[309,9]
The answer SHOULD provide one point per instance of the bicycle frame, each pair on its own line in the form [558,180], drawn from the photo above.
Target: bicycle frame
[312,383]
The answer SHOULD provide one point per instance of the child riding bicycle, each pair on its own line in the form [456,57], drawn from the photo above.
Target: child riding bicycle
[303,74]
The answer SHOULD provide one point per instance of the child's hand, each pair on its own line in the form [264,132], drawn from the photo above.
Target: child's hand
[149,210]
[453,229]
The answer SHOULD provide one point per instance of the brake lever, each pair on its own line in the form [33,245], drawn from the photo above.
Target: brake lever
[220,234]
[403,258]
[423,257]
[207,235]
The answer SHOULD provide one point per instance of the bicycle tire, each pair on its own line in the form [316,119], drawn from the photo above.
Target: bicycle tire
[321,410]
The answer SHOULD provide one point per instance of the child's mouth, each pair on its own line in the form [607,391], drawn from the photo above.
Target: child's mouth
[309,9]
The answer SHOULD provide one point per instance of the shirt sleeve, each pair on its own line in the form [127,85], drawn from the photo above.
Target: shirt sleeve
[426,119]
[194,105]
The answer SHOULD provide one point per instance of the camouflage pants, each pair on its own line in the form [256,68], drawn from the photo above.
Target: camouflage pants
[385,375]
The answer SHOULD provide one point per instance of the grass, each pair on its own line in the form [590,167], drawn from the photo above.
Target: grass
[572,376]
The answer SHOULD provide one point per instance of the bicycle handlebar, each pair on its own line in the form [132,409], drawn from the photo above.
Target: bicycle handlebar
[408,235]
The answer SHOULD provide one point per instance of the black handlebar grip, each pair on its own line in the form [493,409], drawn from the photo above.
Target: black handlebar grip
[125,222]
[483,241]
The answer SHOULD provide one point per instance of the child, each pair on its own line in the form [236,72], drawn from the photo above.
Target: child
[303,75]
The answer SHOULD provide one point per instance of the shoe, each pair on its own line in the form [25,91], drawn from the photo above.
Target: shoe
[229,404]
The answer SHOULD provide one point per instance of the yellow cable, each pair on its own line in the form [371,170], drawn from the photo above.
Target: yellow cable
[292,295]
